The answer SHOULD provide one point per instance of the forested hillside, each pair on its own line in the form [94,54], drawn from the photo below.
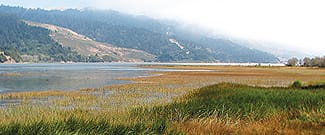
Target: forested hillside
[166,41]
[87,47]
[30,44]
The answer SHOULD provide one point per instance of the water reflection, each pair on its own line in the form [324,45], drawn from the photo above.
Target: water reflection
[36,77]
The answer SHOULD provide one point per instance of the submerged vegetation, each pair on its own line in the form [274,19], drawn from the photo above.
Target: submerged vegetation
[178,103]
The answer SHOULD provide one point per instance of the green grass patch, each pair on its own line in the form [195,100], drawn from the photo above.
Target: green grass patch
[79,126]
[297,84]
[223,101]
[242,102]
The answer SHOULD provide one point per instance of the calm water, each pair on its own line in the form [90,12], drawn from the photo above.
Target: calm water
[40,77]
[37,77]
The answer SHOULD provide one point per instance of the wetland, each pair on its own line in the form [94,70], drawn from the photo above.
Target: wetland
[163,99]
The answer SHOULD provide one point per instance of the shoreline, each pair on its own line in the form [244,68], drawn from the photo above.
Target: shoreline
[198,76]
[162,64]
[183,68]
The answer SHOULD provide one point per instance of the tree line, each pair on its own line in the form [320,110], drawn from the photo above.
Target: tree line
[307,62]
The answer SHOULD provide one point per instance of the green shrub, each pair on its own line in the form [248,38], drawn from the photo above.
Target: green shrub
[297,84]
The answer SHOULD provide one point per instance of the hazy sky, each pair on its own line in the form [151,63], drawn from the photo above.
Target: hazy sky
[296,23]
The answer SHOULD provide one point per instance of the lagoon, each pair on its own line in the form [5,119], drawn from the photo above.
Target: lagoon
[40,77]
[74,76]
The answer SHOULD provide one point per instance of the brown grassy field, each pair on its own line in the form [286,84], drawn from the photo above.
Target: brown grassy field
[255,76]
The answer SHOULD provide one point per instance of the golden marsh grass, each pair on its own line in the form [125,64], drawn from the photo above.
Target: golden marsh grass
[115,103]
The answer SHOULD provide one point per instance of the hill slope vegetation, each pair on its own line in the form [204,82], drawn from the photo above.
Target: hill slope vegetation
[161,38]
[87,47]
[26,43]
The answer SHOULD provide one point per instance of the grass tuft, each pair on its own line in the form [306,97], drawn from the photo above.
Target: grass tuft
[297,84]
[74,125]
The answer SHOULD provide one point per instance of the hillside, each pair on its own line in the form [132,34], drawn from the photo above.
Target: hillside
[160,38]
[20,42]
[25,41]
[87,47]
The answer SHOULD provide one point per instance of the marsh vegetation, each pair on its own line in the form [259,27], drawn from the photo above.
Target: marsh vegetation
[223,100]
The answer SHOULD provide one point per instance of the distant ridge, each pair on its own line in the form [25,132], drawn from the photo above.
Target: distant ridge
[26,41]
[166,40]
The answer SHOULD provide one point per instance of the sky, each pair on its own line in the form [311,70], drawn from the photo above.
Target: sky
[295,24]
